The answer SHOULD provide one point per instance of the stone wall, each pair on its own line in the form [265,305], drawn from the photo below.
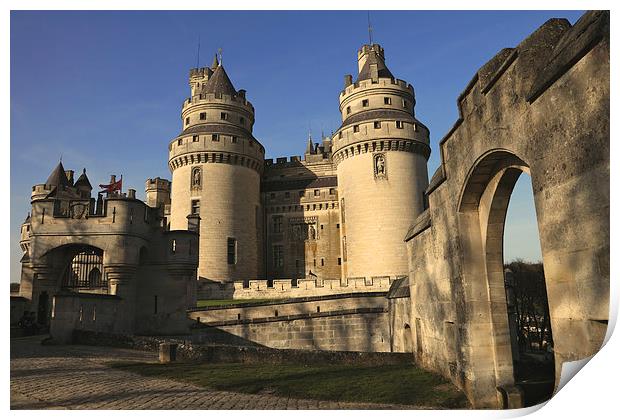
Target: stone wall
[364,330]
[93,312]
[540,108]
[288,288]
[296,306]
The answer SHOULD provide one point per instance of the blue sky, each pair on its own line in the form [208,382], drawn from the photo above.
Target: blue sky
[104,89]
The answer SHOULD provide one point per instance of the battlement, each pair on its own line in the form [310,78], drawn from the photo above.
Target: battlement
[157,184]
[290,161]
[382,82]
[222,98]
[200,73]
[289,288]
[367,48]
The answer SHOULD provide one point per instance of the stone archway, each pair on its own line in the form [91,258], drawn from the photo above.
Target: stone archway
[482,216]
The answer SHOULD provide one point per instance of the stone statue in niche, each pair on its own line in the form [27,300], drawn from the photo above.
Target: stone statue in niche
[196,178]
[311,232]
[380,171]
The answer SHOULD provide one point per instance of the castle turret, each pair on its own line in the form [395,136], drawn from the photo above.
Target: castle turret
[381,151]
[216,166]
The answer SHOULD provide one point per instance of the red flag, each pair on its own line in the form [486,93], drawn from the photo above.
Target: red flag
[115,186]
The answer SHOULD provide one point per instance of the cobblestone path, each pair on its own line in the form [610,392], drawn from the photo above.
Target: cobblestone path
[77,377]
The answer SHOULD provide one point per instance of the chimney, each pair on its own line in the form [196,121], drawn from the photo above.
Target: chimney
[131,193]
[69,175]
[348,80]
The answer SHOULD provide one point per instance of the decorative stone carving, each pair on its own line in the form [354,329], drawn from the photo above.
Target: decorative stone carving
[196,180]
[78,210]
[380,167]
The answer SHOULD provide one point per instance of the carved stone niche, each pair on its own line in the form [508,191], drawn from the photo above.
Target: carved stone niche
[196,178]
[379,165]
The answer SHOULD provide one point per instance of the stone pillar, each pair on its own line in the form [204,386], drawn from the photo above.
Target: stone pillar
[122,283]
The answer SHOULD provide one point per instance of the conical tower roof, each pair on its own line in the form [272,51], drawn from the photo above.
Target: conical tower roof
[215,63]
[374,58]
[83,181]
[58,177]
[219,82]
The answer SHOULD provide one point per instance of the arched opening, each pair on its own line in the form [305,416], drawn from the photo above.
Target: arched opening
[482,218]
[528,308]
[84,269]
[407,339]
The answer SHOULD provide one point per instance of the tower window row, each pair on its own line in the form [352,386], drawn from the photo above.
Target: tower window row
[213,137]
[224,116]
[378,124]
[386,101]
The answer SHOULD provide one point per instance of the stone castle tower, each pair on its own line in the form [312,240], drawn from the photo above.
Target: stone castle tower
[381,151]
[216,166]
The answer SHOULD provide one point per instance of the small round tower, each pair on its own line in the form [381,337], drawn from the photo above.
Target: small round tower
[216,166]
[381,151]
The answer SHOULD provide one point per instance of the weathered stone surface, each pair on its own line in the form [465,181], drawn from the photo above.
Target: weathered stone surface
[545,111]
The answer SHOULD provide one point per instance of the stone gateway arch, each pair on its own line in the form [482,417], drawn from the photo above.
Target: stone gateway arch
[540,108]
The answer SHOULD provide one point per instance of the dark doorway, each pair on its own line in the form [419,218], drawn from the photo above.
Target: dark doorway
[42,310]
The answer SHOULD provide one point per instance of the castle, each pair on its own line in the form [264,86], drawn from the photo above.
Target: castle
[370,254]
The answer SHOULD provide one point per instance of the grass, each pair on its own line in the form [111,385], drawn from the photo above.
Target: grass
[211,303]
[395,384]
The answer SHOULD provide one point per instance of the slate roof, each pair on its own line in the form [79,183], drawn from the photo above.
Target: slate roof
[300,184]
[58,177]
[83,181]
[379,114]
[219,82]
[399,289]
[382,69]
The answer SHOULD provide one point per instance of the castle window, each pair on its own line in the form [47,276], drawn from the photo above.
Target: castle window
[194,138]
[241,120]
[215,137]
[278,256]
[340,134]
[277,224]
[377,124]
[387,101]
[356,128]
[180,142]
[187,121]
[173,246]
[348,110]
[415,127]
[365,103]
[399,124]
[317,193]
[223,116]
[231,250]
[337,225]
[321,227]
[195,207]
[339,261]
[302,193]
[234,139]
[203,116]
[405,104]
[322,262]
[332,191]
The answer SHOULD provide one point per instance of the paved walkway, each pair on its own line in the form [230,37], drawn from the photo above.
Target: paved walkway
[77,377]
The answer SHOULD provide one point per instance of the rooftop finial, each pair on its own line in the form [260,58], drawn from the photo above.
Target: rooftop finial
[219,51]
[369,29]
[215,62]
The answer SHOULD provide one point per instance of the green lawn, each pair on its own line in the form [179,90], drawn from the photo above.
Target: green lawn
[396,384]
[210,303]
